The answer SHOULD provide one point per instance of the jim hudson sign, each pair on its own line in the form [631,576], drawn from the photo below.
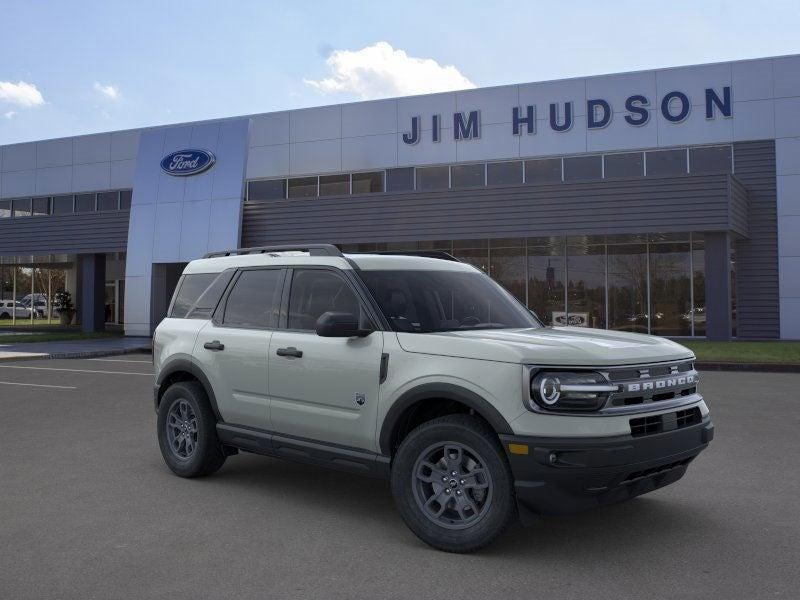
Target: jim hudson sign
[674,107]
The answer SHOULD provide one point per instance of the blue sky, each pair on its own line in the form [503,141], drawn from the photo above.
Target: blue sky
[69,68]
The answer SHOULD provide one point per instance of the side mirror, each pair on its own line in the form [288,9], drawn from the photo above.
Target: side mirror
[340,324]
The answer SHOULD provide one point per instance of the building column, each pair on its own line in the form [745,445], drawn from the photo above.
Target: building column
[718,286]
[93,290]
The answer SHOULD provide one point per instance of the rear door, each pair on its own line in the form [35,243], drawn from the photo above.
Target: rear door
[232,348]
[322,388]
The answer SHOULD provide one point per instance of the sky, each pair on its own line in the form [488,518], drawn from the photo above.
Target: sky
[85,66]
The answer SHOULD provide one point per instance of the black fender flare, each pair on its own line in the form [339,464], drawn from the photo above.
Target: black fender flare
[447,391]
[185,364]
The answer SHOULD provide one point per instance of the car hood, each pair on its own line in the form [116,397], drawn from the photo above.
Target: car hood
[575,346]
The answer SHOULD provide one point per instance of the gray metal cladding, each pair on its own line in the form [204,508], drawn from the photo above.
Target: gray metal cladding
[757,298]
[698,203]
[72,233]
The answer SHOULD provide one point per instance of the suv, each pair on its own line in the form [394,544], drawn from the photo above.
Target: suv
[423,370]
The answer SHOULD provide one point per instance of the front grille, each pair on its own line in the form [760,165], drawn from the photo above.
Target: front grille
[667,422]
[652,383]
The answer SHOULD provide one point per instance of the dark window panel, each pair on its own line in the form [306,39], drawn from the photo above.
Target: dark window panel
[400,180]
[368,183]
[22,207]
[670,285]
[107,201]
[62,205]
[586,287]
[627,287]
[445,245]
[546,279]
[5,209]
[41,206]
[433,178]
[507,242]
[713,159]
[334,185]
[666,162]
[125,199]
[271,189]
[468,175]
[189,290]
[303,187]
[543,171]
[630,164]
[581,168]
[507,267]
[315,292]
[460,244]
[254,299]
[84,203]
[504,173]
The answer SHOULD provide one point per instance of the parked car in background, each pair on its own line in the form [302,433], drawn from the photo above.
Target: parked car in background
[39,304]
[14,308]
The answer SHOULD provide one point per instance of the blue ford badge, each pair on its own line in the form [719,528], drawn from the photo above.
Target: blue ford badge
[187,162]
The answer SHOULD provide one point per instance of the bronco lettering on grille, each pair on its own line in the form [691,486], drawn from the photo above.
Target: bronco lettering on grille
[660,384]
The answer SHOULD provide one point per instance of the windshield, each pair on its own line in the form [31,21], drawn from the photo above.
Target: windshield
[429,301]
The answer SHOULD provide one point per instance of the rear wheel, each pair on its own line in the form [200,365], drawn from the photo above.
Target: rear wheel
[187,433]
[452,484]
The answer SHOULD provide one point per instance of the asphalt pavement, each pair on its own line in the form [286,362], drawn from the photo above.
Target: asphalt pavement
[88,510]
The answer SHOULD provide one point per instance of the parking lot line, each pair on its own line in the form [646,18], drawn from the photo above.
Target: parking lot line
[74,370]
[43,385]
[123,360]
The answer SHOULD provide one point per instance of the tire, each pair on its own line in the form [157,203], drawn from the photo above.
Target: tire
[474,506]
[5,316]
[190,446]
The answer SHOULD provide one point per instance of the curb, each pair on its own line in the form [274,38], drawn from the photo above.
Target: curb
[759,367]
[87,354]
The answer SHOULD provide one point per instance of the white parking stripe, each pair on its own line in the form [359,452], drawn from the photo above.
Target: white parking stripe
[74,370]
[61,387]
[120,360]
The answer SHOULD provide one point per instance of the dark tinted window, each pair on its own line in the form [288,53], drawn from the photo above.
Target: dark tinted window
[630,164]
[208,300]
[84,202]
[303,187]
[468,175]
[22,207]
[334,185]
[189,290]
[317,291]
[710,160]
[543,171]
[41,206]
[400,180]
[666,162]
[367,183]
[426,301]
[504,173]
[5,209]
[108,201]
[272,189]
[577,168]
[62,205]
[125,199]
[433,178]
[254,299]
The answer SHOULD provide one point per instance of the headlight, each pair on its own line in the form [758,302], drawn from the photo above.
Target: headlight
[570,391]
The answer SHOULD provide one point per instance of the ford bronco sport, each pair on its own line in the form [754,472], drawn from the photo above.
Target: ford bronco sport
[421,369]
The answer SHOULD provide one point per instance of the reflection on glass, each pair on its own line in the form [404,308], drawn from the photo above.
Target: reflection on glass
[670,297]
[699,285]
[627,287]
[546,266]
[507,267]
[474,252]
[586,285]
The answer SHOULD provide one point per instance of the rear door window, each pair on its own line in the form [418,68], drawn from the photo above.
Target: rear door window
[254,301]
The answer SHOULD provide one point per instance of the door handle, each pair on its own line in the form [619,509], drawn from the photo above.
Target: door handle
[215,345]
[290,351]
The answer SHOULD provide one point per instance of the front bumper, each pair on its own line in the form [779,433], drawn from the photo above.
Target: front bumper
[566,475]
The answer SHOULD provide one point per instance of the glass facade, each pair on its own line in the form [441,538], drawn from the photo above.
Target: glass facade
[639,283]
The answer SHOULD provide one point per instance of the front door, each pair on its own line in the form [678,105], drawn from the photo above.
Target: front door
[232,348]
[321,388]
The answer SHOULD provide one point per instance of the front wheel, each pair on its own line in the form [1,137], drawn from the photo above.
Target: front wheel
[452,484]
[187,431]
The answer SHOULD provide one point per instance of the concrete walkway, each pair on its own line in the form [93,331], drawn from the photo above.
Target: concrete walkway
[74,348]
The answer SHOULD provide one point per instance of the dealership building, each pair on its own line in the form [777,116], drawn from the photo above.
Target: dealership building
[664,201]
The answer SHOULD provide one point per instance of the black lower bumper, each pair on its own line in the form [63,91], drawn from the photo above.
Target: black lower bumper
[566,475]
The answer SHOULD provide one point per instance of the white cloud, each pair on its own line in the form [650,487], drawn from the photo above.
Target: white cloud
[109,91]
[380,71]
[10,114]
[20,93]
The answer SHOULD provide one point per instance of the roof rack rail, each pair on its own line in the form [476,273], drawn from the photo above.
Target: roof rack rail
[440,254]
[312,249]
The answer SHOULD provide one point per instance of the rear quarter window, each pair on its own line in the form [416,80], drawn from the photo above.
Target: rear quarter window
[189,290]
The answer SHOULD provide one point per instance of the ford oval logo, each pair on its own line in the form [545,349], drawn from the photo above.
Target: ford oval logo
[187,162]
